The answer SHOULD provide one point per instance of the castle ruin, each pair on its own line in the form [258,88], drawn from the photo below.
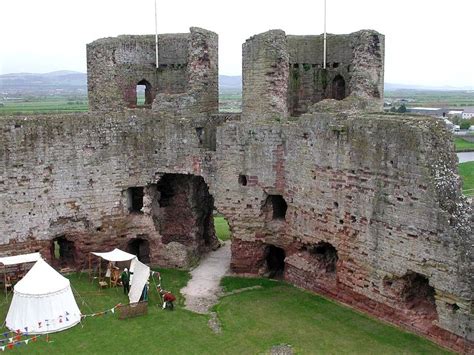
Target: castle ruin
[331,195]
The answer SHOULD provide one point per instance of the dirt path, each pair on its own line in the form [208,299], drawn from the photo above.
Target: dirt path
[203,290]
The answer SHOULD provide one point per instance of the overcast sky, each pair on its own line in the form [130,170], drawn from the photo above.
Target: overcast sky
[428,42]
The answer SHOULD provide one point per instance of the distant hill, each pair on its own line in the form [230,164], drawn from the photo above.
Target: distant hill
[66,78]
[395,87]
[71,80]
[57,79]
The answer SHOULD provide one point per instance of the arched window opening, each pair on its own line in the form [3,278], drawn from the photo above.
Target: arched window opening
[275,207]
[338,88]
[144,94]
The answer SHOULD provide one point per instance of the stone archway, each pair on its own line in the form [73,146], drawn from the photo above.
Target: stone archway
[275,261]
[338,88]
[141,248]
[63,252]
[183,213]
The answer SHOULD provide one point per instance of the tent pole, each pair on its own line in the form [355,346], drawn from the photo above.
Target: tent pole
[5,279]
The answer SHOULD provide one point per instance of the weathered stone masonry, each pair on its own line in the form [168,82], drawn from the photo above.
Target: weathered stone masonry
[363,207]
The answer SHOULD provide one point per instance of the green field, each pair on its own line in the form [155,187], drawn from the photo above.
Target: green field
[433,98]
[466,170]
[222,228]
[41,105]
[251,322]
[463,145]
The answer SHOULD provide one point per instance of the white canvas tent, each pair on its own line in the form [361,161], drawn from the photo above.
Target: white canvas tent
[139,271]
[15,260]
[116,255]
[43,302]
[20,259]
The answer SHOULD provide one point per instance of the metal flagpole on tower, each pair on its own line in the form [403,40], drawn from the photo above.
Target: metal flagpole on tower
[324,49]
[156,35]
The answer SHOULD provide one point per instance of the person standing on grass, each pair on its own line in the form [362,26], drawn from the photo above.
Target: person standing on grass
[125,277]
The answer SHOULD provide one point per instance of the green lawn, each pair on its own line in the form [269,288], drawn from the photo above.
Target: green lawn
[222,228]
[463,145]
[466,170]
[252,322]
[53,105]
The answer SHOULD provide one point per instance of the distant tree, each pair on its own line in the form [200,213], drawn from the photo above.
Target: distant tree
[465,124]
[402,109]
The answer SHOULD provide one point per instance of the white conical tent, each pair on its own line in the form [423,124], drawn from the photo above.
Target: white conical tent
[42,302]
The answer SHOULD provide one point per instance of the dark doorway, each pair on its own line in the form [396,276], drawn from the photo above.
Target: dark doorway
[418,295]
[326,256]
[338,88]
[141,248]
[184,212]
[144,93]
[275,259]
[63,252]
[135,199]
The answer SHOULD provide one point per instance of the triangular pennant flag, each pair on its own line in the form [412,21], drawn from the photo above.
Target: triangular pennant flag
[67,319]
[18,344]
[26,341]
[26,329]
[60,320]
[34,338]
[10,340]
[112,310]
[2,348]
[39,324]
[18,338]
[5,334]
[10,346]
[18,331]
[67,313]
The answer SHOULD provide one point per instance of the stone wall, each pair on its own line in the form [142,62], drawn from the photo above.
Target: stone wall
[370,215]
[61,180]
[370,186]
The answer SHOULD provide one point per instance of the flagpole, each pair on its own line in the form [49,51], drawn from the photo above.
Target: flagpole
[325,43]
[156,35]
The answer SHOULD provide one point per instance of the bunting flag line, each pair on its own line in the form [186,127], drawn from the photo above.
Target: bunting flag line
[13,344]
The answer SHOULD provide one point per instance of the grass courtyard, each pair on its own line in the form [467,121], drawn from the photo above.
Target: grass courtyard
[252,322]
[466,170]
[463,145]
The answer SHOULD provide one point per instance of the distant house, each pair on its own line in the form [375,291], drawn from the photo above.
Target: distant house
[455,113]
[468,113]
[429,111]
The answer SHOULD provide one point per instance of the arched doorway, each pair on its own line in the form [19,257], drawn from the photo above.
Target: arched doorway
[141,248]
[338,88]
[325,256]
[275,260]
[63,252]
